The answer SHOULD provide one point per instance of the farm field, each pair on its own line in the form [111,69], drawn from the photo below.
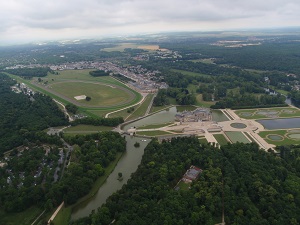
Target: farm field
[264,113]
[281,137]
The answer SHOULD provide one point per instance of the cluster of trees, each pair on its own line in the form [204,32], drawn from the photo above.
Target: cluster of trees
[71,108]
[253,182]
[99,73]
[30,72]
[111,122]
[21,116]
[182,96]
[32,172]
[91,155]
[250,101]
[26,174]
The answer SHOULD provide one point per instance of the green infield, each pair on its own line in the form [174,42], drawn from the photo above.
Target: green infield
[264,113]
[101,95]
[282,137]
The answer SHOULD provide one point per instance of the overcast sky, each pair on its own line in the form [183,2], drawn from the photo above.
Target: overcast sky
[32,20]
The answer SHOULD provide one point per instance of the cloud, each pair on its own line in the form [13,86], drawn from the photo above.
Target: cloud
[63,16]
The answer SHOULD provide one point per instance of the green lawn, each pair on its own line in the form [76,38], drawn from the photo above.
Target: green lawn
[203,141]
[221,139]
[184,72]
[23,218]
[183,186]
[85,129]
[158,108]
[153,126]
[141,109]
[63,216]
[283,133]
[153,133]
[202,103]
[236,136]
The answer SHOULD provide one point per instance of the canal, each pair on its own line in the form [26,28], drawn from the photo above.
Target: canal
[280,123]
[127,165]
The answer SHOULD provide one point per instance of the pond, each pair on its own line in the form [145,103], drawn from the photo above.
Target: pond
[275,137]
[280,123]
[167,116]
[238,125]
[127,165]
[294,136]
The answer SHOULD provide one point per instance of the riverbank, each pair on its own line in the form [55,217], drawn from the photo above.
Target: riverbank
[64,215]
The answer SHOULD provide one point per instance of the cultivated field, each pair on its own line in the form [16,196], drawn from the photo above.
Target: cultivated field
[121,47]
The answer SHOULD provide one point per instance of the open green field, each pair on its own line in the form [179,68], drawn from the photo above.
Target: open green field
[85,129]
[139,110]
[153,133]
[142,108]
[63,217]
[236,136]
[185,72]
[284,137]
[202,103]
[101,95]
[265,113]
[23,218]
[154,126]
[221,139]
[183,186]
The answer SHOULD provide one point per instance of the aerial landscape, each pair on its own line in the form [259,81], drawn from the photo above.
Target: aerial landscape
[149,116]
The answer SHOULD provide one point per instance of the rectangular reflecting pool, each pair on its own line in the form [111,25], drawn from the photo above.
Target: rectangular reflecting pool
[280,123]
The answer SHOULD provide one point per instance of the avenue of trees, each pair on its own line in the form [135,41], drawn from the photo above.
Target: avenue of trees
[253,182]
[21,116]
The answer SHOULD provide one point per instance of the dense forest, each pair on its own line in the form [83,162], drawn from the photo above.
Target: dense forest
[182,96]
[30,72]
[22,116]
[253,182]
